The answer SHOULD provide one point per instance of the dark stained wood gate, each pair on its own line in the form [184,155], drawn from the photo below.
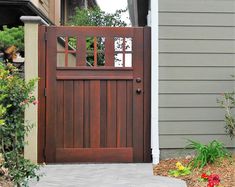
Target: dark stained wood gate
[94,94]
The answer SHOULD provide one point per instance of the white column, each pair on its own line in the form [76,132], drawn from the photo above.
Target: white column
[153,19]
[31,72]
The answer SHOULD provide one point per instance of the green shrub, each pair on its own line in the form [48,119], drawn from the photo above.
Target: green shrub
[97,17]
[207,153]
[16,95]
[12,37]
[227,101]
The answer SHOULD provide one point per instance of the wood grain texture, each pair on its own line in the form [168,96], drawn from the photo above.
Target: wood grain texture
[78,99]
[95,155]
[41,94]
[95,113]
[98,115]
[68,114]
[103,113]
[60,115]
[112,117]
[121,114]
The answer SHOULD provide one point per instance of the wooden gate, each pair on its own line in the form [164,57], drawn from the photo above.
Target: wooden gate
[94,94]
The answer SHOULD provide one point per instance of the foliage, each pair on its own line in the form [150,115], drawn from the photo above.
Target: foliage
[12,37]
[227,101]
[207,153]
[95,17]
[211,179]
[180,170]
[16,95]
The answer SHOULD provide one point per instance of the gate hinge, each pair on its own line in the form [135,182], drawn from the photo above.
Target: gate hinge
[45,36]
[45,92]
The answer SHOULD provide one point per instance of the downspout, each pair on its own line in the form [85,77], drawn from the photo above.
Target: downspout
[133,12]
[153,22]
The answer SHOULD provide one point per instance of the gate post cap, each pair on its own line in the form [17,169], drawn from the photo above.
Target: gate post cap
[33,19]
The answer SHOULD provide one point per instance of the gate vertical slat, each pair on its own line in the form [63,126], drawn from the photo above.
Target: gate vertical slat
[51,99]
[78,113]
[66,51]
[103,113]
[68,114]
[95,51]
[121,114]
[138,99]
[109,51]
[95,113]
[86,114]
[111,118]
[60,114]
[129,114]
[41,94]
[147,94]
[81,50]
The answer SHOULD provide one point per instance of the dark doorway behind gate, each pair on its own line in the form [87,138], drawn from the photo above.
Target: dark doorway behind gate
[94,94]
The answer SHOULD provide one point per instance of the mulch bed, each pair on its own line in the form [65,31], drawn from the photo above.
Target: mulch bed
[225,169]
[5,183]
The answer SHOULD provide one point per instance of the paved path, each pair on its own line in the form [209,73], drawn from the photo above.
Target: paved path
[104,175]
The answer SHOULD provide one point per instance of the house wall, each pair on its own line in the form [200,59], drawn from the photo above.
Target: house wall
[51,8]
[43,5]
[196,59]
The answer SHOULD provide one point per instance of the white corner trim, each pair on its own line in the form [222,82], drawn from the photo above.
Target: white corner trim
[154,82]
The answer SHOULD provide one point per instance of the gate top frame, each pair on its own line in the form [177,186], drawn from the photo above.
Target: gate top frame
[141,35]
[109,34]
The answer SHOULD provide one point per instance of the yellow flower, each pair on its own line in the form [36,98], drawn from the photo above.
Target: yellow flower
[178,164]
[180,168]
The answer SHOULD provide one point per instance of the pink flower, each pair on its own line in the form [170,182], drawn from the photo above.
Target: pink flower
[214,179]
[35,102]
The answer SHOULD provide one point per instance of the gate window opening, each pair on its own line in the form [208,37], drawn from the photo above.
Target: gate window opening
[66,51]
[94,51]
[123,52]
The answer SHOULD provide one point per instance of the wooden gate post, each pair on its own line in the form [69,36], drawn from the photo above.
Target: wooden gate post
[31,24]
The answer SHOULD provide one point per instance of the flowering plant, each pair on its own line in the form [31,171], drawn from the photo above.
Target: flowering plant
[15,95]
[180,170]
[212,179]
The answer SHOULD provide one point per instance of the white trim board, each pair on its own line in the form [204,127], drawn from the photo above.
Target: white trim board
[153,22]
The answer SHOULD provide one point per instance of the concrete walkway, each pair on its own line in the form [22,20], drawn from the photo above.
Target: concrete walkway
[103,175]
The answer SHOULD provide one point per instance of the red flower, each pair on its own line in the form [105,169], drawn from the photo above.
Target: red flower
[204,176]
[210,184]
[214,178]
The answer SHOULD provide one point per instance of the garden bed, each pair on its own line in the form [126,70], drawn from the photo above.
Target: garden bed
[5,183]
[225,169]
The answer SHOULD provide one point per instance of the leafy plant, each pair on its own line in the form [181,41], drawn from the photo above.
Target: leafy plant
[227,101]
[211,179]
[11,43]
[207,153]
[180,170]
[16,95]
[97,17]
[12,37]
